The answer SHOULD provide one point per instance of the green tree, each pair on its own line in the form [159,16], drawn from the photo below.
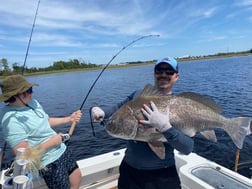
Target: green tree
[4,65]
[16,68]
[58,65]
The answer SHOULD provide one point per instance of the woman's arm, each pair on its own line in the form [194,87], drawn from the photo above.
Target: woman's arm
[73,118]
[55,140]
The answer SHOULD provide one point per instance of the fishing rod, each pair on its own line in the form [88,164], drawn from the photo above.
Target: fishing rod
[23,68]
[28,46]
[92,86]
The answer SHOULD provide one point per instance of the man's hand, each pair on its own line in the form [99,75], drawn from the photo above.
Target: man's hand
[155,118]
[97,114]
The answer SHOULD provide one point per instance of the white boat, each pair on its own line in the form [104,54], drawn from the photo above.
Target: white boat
[195,172]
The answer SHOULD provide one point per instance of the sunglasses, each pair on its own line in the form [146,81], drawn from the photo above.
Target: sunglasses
[167,71]
[29,91]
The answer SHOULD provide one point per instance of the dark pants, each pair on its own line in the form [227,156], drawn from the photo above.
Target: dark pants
[56,174]
[131,178]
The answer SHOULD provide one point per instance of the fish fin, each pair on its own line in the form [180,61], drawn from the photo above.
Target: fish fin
[150,90]
[209,134]
[158,148]
[238,128]
[203,100]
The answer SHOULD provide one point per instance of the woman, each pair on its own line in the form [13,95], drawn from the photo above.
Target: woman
[25,124]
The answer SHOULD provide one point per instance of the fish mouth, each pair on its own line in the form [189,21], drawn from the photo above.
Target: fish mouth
[117,130]
[109,126]
[105,122]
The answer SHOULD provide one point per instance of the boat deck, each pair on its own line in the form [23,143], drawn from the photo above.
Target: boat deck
[195,172]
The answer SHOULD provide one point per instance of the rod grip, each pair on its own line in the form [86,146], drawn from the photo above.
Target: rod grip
[71,130]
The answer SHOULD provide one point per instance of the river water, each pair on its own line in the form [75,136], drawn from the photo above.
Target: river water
[226,80]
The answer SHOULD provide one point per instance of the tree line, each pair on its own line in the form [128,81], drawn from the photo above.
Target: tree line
[15,68]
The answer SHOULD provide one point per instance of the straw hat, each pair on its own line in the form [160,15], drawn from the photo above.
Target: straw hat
[13,85]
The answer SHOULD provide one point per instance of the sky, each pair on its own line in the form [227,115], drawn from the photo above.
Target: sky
[94,31]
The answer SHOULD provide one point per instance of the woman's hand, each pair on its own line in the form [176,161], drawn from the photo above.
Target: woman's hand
[75,116]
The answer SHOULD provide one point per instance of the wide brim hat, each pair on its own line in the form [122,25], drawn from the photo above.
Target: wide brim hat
[13,85]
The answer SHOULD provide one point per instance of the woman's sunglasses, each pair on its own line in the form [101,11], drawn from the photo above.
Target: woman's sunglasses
[29,91]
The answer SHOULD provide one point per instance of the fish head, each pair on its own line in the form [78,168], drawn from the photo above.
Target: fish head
[125,124]
[122,124]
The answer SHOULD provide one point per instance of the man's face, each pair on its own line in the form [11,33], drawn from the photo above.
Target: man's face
[165,76]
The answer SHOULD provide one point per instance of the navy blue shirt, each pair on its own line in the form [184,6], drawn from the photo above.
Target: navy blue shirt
[140,156]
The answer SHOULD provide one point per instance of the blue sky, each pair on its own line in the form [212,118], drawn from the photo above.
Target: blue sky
[95,30]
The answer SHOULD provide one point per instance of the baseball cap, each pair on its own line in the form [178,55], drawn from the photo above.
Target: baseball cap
[168,60]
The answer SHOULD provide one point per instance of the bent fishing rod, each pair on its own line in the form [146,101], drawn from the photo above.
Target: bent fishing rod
[92,86]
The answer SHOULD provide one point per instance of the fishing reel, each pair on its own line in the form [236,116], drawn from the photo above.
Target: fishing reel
[65,137]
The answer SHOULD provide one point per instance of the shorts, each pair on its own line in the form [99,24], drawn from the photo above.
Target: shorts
[131,178]
[56,174]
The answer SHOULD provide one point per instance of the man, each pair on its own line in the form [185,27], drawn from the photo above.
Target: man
[141,168]
[25,124]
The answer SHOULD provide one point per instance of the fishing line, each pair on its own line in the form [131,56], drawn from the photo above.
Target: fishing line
[92,86]
[29,43]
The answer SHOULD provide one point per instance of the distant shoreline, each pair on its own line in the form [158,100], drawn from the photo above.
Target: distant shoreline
[213,56]
[152,62]
[113,66]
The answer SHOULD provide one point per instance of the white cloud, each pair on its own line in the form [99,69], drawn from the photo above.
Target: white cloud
[210,12]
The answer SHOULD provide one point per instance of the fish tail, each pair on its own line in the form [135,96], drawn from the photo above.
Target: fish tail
[238,128]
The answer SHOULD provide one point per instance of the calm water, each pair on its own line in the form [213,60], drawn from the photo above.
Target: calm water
[228,81]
